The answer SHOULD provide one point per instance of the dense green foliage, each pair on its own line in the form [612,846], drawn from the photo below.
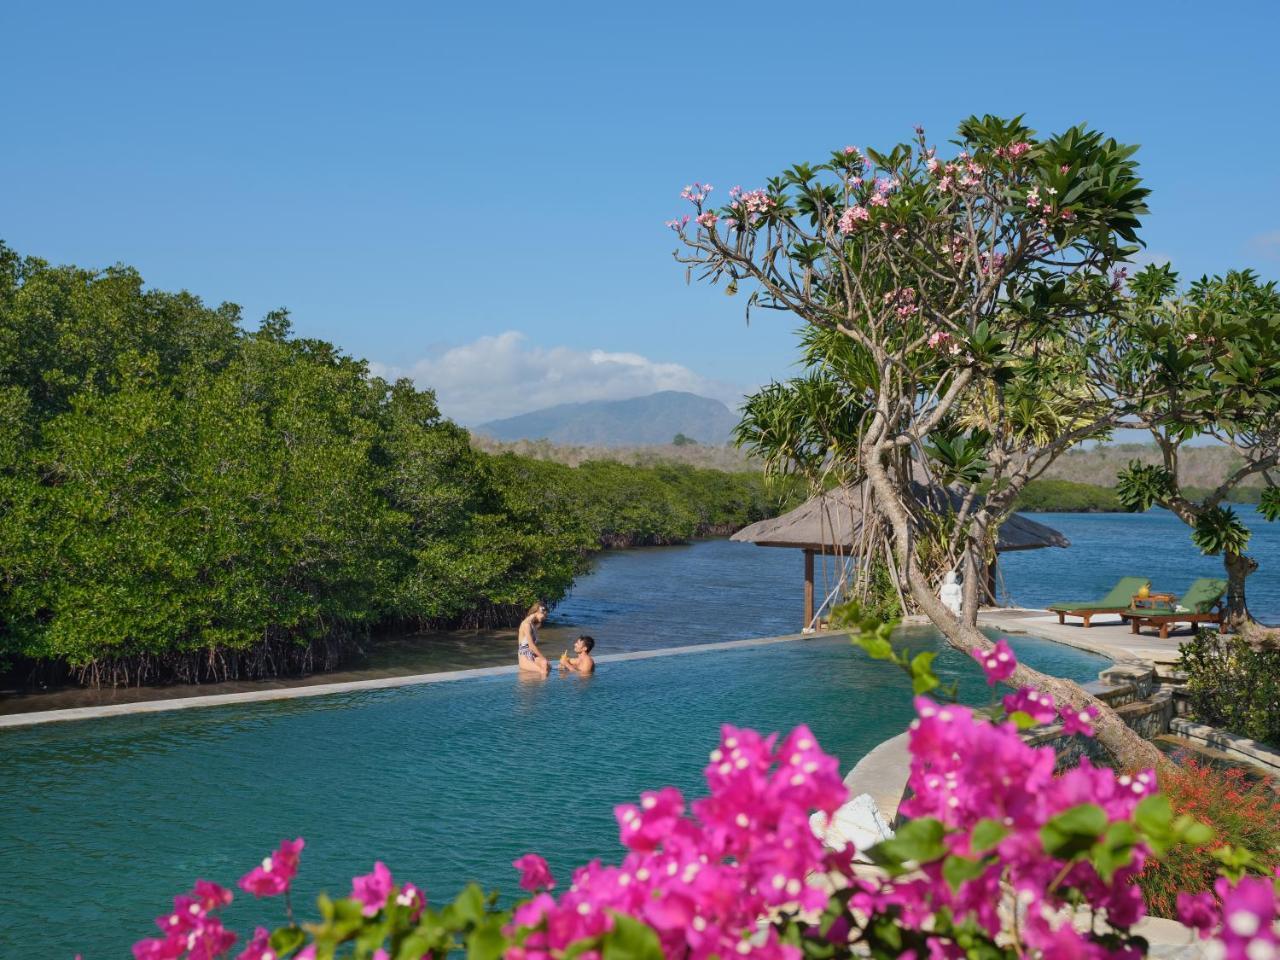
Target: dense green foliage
[1063,496]
[1212,355]
[1234,682]
[184,498]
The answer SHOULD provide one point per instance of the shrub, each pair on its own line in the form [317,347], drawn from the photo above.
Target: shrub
[1234,682]
[1243,812]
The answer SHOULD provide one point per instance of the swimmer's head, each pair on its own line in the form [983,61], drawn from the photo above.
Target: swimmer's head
[538,611]
[584,644]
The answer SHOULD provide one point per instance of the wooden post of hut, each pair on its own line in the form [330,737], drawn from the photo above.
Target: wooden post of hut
[808,589]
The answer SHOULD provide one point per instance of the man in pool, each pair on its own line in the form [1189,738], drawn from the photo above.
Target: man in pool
[582,664]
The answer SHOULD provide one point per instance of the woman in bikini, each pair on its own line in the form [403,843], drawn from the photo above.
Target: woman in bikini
[528,656]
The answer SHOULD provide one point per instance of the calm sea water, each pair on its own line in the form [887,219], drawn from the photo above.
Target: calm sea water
[1107,546]
[720,590]
[101,821]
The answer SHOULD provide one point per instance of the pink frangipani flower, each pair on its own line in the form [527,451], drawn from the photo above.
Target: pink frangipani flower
[852,216]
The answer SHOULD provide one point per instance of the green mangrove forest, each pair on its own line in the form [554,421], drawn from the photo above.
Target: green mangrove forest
[184,499]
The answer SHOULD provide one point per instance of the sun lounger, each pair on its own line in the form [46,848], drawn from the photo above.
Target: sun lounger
[1117,601]
[1202,603]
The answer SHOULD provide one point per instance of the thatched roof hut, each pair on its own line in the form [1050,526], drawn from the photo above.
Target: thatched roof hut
[832,523]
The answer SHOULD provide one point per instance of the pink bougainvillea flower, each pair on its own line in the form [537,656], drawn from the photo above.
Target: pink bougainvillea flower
[410,896]
[155,948]
[535,875]
[211,896]
[273,876]
[700,881]
[1198,911]
[372,889]
[998,663]
[1078,721]
[1248,918]
[259,948]
[1039,706]
[644,827]
[209,940]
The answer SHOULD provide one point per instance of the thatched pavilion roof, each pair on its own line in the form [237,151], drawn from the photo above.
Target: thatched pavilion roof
[833,521]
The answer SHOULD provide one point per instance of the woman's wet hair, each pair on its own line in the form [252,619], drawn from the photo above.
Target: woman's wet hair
[535,608]
[588,642]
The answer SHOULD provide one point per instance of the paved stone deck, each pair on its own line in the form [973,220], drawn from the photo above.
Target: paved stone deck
[1109,635]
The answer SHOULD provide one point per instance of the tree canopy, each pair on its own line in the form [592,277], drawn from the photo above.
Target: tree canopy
[963,330]
[184,498]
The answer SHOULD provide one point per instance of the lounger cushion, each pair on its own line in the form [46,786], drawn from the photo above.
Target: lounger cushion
[1203,594]
[1164,610]
[1119,598]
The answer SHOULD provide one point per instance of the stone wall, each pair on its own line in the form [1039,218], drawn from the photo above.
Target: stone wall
[1134,693]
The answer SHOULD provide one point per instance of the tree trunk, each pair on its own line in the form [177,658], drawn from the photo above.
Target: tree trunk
[1238,569]
[974,583]
[1128,749]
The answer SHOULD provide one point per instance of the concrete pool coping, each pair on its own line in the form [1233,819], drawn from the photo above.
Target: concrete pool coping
[1112,641]
[1016,620]
[66,714]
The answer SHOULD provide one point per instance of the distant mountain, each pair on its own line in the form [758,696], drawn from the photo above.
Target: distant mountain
[654,419]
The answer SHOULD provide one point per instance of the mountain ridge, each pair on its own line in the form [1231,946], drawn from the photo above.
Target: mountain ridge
[654,418]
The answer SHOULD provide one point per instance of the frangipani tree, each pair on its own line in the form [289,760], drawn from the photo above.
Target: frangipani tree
[966,325]
[1212,357]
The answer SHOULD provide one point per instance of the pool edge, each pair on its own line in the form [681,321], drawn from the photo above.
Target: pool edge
[69,714]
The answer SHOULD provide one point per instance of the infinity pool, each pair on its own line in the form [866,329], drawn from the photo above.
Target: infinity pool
[102,821]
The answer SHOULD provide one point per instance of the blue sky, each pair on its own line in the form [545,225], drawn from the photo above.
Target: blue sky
[474,193]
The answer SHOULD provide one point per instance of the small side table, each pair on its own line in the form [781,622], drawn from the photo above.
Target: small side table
[1153,600]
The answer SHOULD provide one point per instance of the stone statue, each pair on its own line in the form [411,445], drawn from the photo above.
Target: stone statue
[951,595]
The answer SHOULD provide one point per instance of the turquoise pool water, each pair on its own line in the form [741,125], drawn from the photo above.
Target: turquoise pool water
[101,821]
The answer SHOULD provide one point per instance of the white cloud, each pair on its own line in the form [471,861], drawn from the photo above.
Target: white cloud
[504,375]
